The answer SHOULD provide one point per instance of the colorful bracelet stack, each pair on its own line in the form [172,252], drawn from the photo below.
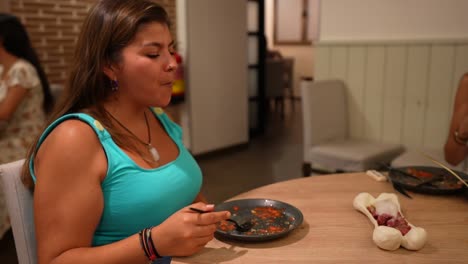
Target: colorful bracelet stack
[147,244]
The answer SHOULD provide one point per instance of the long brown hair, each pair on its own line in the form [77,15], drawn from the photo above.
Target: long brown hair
[108,28]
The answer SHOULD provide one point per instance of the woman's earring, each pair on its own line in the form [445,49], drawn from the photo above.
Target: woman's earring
[114,85]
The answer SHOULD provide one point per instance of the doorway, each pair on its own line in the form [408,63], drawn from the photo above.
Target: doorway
[256,66]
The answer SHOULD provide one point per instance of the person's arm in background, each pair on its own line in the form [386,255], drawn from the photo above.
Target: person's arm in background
[11,101]
[456,145]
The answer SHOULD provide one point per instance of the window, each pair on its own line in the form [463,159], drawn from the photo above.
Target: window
[296,22]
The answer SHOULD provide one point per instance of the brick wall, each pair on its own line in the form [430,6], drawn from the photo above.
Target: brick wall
[53,26]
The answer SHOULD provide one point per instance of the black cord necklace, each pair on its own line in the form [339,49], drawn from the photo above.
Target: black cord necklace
[154,152]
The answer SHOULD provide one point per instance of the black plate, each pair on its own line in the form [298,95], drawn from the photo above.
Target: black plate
[446,186]
[290,219]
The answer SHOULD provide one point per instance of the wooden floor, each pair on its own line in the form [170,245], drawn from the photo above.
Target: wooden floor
[272,157]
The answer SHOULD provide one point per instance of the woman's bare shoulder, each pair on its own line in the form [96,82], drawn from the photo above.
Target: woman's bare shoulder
[73,133]
[72,144]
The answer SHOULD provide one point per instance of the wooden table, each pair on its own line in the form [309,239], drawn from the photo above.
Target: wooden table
[334,232]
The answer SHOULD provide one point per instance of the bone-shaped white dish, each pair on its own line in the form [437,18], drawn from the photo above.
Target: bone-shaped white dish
[385,237]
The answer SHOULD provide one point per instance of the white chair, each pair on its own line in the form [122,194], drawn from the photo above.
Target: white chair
[20,207]
[328,147]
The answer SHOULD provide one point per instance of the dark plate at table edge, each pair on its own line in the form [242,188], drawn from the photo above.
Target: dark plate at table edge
[428,189]
[296,213]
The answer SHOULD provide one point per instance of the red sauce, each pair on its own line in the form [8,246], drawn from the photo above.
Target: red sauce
[419,173]
[266,220]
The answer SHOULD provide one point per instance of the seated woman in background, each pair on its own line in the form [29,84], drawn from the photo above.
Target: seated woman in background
[25,97]
[456,145]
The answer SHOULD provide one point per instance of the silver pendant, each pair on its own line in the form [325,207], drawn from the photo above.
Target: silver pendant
[153,152]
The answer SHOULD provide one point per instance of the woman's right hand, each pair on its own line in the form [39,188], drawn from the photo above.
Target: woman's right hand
[186,232]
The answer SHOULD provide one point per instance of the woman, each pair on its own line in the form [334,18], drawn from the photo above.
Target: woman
[25,97]
[111,165]
[457,141]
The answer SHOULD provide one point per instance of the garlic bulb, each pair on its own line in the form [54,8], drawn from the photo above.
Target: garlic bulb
[386,207]
[387,238]
[391,229]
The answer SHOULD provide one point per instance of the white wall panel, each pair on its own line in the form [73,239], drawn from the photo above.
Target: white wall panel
[397,91]
[322,63]
[356,81]
[373,94]
[217,74]
[349,20]
[415,95]
[439,94]
[461,67]
[394,88]
[338,63]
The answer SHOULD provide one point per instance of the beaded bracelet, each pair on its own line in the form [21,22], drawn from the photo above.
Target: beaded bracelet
[147,244]
[142,244]
[152,244]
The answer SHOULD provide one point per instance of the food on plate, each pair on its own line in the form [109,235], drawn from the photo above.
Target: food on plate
[391,229]
[419,173]
[428,178]
[395,220]
[266,220]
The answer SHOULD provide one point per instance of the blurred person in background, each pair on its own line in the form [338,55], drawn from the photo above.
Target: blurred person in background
[25,97]
[456,146]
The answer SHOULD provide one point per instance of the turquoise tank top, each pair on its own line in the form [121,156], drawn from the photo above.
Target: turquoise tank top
[134,197]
